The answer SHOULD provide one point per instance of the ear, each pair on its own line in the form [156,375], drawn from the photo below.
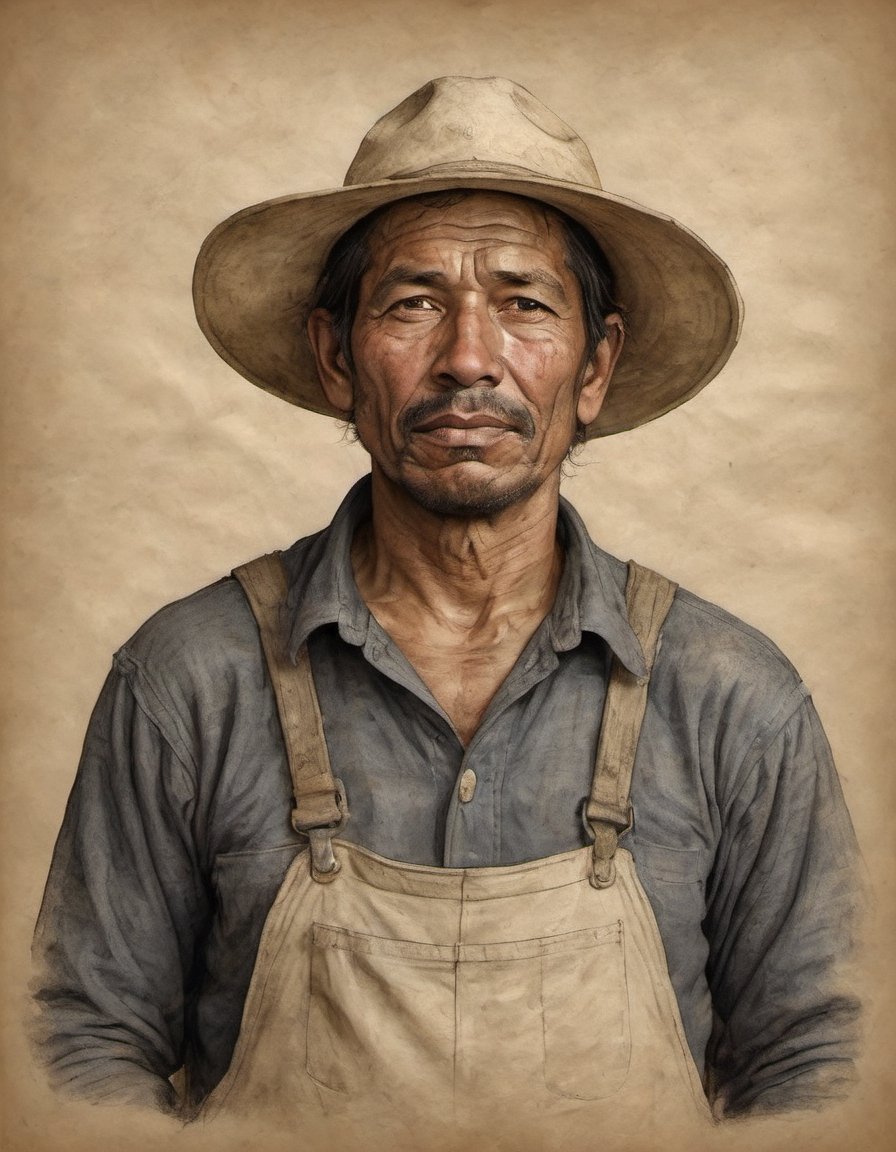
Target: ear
[335,377]
[599,371]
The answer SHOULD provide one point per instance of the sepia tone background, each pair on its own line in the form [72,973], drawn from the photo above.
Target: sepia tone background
[139,467]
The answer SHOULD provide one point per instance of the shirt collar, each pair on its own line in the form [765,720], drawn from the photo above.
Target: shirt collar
[590,596]
[322,588]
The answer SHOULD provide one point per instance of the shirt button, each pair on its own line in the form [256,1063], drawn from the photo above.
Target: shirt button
[467,786]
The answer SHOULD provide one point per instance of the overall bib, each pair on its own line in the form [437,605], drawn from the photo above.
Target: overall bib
[402,1006]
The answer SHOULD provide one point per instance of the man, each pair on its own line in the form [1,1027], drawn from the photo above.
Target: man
[576,850]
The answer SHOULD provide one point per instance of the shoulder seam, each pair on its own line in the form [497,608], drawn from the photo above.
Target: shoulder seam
[767,734]
[707,608]
[141,686]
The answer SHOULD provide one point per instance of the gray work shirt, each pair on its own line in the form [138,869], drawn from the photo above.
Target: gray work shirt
[177,833]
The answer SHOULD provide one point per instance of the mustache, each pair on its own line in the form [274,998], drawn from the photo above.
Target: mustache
[483,401]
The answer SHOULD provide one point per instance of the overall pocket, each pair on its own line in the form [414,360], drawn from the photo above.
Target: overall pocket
[584,996]
[405,1018]
[380,1014]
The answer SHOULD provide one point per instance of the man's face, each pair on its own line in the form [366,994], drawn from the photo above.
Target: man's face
[469,352]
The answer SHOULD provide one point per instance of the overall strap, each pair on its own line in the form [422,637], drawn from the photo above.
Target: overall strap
[320,808]
[648,597]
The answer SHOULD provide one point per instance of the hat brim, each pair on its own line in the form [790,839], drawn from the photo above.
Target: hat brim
[256,273]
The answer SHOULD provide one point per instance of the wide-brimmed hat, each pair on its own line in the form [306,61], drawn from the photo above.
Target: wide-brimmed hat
[256,272]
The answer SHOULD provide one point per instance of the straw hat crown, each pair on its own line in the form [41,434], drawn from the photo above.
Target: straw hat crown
[459,123]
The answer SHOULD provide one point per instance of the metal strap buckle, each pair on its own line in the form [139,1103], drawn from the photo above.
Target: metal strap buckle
[605,834]
[324,865]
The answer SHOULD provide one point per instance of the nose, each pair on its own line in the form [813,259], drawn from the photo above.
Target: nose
[470,348]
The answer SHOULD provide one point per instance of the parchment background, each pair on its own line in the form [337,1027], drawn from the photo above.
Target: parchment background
[139,467]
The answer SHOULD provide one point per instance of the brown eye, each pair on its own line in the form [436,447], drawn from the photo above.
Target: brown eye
[416,302]
[528,304]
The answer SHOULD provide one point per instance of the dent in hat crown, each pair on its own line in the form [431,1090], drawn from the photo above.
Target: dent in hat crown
[468,124]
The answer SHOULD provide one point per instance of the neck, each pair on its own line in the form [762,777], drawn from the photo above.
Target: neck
[407,558]
[460,597]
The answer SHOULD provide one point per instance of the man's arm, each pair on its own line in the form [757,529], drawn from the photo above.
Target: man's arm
[781,921]
[123,908]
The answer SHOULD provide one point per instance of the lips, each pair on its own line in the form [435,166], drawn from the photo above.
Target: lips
[462,421]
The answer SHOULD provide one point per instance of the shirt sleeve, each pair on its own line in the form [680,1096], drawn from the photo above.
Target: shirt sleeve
[782,915]
[122,913]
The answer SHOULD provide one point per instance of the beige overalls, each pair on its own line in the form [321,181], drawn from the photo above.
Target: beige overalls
[401,1006]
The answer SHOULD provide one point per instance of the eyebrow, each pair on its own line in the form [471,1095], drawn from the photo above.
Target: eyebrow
[525,276]
[433,278]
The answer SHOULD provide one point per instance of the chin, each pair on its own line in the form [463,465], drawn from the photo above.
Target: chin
[470,499]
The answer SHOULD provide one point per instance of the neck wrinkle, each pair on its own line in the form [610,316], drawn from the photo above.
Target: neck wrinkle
[409,559]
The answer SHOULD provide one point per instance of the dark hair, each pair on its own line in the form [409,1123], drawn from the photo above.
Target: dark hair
[339,284]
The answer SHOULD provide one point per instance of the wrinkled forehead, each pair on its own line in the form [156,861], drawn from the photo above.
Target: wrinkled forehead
[468,216]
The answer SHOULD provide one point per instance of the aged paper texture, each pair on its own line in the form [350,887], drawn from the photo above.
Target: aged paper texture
[140,467]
